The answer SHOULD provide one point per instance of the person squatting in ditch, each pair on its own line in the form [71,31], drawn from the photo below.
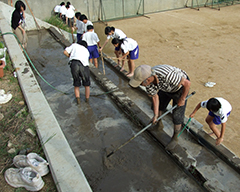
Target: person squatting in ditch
[78,59]
[219,110]
[164,83]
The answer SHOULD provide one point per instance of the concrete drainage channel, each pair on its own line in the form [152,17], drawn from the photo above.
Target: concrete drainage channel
[95,129]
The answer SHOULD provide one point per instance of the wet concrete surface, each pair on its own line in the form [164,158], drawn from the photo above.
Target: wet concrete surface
[95,129]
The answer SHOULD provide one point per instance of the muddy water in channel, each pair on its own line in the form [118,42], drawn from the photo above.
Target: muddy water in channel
[95,129]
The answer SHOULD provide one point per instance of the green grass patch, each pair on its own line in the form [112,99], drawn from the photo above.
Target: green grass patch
[56,21]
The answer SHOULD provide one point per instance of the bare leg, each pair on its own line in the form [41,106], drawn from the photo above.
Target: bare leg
[90,60]
[77,94]
[117,55]
[95,62]
[212,126]
[131,66]
[87,93]
[174,140]
[123,62]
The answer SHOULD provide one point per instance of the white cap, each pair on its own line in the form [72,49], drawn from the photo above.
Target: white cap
[141,73]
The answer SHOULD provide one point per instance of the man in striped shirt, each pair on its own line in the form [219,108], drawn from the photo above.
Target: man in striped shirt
[164,83]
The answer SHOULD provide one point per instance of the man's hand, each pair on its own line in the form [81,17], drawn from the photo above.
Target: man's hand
[181,102]
[154,119]
[219,140]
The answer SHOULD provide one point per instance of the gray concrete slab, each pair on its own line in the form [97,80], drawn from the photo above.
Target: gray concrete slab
[65,169]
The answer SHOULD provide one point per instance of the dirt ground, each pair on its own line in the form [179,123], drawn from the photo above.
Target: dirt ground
[13,135]
[204,43]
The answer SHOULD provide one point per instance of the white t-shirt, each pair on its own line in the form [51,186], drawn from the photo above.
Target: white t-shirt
[63,10]
[70,13]
[117,34]
[91,38]
[78,52]
[72,7]
[223,111]
[128,45]
[57,8]
[86,24]
[80,26]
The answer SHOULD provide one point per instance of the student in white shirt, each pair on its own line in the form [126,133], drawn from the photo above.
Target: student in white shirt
[86,22]
[78,59]
[73,8]
[92,40]
[130,49]
[63,11]
[57,9]
[79,26]
[111,32]
[219,110]
[69,16]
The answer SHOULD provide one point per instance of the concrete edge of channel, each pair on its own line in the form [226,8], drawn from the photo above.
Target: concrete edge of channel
[66,171]
[196,129]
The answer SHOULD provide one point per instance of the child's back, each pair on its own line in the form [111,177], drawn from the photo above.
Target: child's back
[91,38]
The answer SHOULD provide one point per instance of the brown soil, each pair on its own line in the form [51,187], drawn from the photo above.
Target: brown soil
[13,129]
[204,43]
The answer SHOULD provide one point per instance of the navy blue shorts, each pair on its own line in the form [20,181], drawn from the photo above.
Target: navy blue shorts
[79,36]
[134,53]
[216,119]
[80,73]
[93,51]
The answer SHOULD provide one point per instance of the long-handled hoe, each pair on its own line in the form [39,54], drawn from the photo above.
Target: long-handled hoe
[149,125]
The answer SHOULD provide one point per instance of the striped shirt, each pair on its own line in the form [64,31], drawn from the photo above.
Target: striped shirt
[169,78]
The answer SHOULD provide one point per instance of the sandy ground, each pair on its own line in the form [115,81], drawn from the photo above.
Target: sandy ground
[204,43]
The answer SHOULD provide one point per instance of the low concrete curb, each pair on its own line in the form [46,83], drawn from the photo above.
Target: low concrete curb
[67,173]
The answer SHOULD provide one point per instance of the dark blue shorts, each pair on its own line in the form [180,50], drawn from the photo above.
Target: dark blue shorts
[79,36]
[80,73]
[93,51]
[134,53]
[216,119]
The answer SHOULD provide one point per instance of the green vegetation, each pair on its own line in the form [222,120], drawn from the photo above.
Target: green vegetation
[56,21]
[1,45]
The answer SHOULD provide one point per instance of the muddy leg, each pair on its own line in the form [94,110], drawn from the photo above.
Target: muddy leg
[174,140]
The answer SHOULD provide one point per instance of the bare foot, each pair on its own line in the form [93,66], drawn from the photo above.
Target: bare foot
[129,74]
[116,65]
[122,69]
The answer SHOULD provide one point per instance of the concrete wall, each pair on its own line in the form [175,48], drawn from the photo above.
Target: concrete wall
[112,9]
[163,5]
